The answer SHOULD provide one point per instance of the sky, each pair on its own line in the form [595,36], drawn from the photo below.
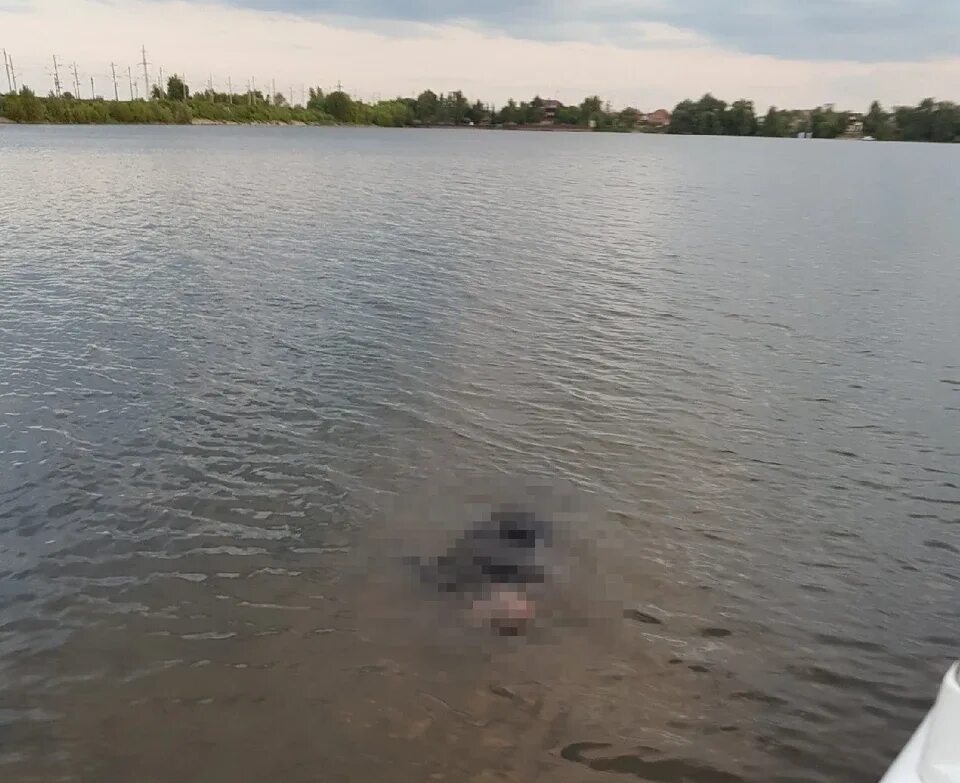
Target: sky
[644,53]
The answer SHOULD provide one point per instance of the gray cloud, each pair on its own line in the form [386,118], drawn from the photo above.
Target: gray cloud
[864,30]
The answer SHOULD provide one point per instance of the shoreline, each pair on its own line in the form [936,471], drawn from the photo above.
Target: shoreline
[200,122]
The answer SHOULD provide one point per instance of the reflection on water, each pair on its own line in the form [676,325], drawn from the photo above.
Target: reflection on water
[236,365]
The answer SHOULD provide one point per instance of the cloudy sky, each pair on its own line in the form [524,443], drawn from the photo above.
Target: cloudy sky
[647,53]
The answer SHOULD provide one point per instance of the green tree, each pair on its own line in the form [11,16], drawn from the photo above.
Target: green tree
[459,106]
[877,123]
[177,90]
[427,105]
[25,107]
[775,123]
[316,101]
[510,114]
[477,113]
[945,124]
[591,109]
[339,105]
[825,123]
[568,115]
[710,116]
[741,119]
[628,117]
[684,118]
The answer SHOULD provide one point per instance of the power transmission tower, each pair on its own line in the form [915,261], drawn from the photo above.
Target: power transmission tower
[76,81]
[130,79]
[13,73]
[161,80]
[230,89]
[146,73]
[116,91]
[56,76]
[6,67]
[93,90]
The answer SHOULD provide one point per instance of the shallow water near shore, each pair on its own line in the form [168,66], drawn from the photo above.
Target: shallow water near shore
[235,361]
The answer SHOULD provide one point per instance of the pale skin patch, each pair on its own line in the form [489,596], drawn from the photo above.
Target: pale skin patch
[505,607]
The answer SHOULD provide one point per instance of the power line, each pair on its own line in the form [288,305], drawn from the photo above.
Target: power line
[56,76]
[6,67]
[146,73]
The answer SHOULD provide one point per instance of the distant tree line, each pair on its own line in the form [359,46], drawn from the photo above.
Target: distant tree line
[930,120]
[174,102]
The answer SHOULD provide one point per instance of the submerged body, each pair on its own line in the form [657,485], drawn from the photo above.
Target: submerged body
[497,570]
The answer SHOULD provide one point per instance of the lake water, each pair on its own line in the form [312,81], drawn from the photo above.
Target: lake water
[230,356]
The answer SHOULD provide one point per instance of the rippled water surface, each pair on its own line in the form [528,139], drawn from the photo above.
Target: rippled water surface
[228,355]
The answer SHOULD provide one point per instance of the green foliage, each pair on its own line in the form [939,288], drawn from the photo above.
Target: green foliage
[591,109]
[877,123]
[315,100]
[25,106]
[177,90]
[775,124]
[340,106]
[825,123]
[427,105]
[510,114]
[684,119]
[930,120]
[568,115]
[740,119]
[391,114]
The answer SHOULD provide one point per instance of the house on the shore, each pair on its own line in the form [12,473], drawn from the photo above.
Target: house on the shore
[854,128]
[550,108]
[655,119]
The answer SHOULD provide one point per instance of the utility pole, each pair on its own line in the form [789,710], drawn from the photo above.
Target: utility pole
[161,81]
[146,73]
[56,76]
[230,89]
[116,91]
[13,73]
[76,81]
[130,79]
[6,67]
[93,90]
